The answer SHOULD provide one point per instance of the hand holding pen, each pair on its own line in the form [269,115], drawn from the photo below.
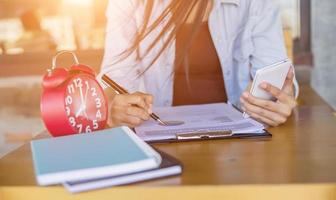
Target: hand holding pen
[134,115]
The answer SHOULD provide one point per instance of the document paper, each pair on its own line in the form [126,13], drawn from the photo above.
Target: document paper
[198,119]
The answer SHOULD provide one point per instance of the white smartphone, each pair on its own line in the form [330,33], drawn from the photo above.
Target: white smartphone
[274,74]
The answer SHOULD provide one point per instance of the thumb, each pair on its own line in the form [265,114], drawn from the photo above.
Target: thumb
[288,85]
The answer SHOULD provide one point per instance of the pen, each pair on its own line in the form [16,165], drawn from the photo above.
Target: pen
[121,90]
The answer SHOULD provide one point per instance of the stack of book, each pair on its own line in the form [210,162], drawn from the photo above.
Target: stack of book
[102,159]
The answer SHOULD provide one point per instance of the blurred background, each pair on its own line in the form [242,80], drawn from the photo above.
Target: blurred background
[30,34]
[53,25]
[32,31]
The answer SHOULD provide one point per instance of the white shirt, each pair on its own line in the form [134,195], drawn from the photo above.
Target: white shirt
[247,35]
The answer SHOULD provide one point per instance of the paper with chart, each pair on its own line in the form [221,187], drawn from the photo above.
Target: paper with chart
[197,118]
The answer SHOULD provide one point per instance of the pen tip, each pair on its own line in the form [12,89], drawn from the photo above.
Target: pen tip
[161,122]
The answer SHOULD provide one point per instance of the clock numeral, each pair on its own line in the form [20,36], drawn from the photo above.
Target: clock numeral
[87,84]
[98,103]
[68,100]
[93,92]
[80,128]
[88,129]
[95,124]
[67,109]
[98,114]
[72,121]
[71,89]
[78,82]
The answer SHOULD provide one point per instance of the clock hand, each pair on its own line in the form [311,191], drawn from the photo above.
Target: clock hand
[79,111]
[82,107]
[81,95]
[82,100]
[85,100]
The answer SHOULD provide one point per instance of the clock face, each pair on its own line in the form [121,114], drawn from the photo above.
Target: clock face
[85,104]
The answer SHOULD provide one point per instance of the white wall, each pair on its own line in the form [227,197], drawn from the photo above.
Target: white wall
[324,49]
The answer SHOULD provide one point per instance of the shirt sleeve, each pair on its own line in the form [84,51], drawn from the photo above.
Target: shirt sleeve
[120,31]
[267,37]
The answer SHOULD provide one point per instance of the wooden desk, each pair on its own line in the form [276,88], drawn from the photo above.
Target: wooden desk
[298,162]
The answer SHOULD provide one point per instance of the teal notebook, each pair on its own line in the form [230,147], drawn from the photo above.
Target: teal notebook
[104,153]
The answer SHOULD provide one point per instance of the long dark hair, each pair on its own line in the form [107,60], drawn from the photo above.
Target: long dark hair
[176,13]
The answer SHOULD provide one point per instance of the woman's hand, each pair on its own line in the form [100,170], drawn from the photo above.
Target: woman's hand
[130,109]
[270,112]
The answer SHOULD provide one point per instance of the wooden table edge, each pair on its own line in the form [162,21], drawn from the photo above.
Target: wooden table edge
[260,192]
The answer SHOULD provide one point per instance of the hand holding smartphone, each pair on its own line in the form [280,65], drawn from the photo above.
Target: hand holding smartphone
[274,74]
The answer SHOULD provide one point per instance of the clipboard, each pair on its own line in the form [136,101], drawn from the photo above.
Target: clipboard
[216,125]
[213,135]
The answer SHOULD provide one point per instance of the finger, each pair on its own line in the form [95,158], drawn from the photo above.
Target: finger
[133,99]
[289,77]
[148,99]
[276,92]
[278,107]
[288,85]
[137,112]
[276,118]
[262,119]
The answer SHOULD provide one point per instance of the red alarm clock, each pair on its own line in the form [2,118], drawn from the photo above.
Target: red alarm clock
[72,100]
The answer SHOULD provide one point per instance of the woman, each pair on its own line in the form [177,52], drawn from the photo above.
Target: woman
[180,52]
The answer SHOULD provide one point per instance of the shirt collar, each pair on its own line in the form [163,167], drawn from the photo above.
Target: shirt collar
[237,2]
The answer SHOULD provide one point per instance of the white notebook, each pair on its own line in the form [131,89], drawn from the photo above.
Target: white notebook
[109,152]
[168,167]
